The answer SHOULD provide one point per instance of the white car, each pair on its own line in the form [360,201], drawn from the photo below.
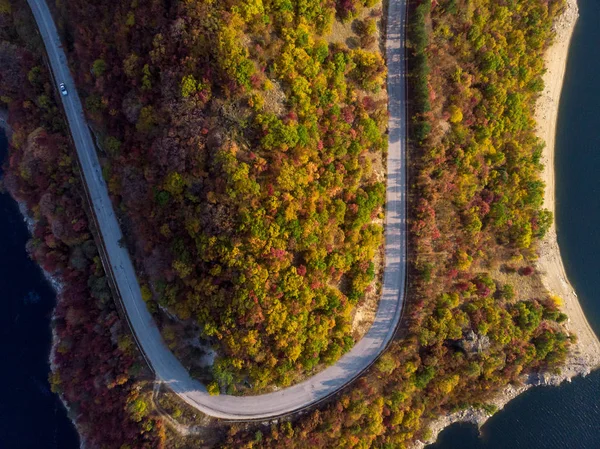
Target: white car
[63,89]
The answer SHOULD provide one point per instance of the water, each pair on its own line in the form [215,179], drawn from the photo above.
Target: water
[31,416]
[567,417]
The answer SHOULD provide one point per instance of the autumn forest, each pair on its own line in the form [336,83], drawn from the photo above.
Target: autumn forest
[244,144]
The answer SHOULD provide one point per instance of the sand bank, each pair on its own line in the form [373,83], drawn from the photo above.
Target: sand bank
[586,354]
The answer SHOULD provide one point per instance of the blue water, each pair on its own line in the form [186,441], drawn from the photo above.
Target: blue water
[567,417]
[31,416]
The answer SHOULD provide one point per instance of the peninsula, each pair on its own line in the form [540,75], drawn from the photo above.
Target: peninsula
[584,356]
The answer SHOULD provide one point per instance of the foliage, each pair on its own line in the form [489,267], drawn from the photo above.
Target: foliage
[96,368]
[474,76]
[263,229]
[257,221]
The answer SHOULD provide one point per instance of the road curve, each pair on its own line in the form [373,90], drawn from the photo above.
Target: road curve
[166,367]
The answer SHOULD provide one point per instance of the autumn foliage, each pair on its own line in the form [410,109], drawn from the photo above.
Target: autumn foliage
[96,367]
[239,146]
[240,149]
[478,317]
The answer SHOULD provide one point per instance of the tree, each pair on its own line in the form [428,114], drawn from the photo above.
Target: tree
[99,67]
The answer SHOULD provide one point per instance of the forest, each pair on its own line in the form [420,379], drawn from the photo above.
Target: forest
[241,153]
[243,148]
[478,317]
[97,368]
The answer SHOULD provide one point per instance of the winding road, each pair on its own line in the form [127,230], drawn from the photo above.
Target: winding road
[167,368]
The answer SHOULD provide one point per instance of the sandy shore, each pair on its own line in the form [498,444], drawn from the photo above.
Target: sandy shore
[585,355]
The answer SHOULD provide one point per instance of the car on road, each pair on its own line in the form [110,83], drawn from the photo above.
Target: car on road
[63,89]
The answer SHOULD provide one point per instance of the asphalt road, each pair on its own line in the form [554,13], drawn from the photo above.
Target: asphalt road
[166,367]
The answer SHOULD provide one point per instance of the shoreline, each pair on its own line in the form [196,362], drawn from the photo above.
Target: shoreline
[585,354]
[57,286]
[54,282]
[4,123]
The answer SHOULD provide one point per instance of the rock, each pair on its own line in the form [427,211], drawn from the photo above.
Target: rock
[473,343]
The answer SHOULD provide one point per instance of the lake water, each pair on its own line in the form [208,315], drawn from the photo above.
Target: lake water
[566,417]
[31,416]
